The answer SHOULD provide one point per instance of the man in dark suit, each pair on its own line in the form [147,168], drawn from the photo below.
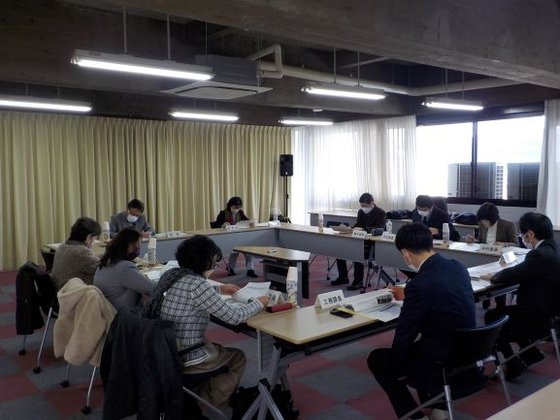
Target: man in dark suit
[369,218]
[538,296]
[438,300]
[433,217]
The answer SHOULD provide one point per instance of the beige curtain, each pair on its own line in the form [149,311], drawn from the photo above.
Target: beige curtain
[55,168]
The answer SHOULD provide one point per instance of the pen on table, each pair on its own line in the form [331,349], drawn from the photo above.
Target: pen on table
[270,251]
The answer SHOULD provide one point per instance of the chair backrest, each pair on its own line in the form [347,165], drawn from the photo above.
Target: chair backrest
[473,344]
[48,257]
[440,203]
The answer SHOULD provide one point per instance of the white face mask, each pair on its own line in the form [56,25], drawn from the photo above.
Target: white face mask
[131,218]
[235,211]
[424,213]
[366,210]
[409,264]
[527,244]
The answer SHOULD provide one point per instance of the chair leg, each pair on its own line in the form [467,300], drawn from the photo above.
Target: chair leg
[555,341]
[22,350]
[211,407]
[447,391]
[66,382]
[501,375]
[87,408]
[37,369]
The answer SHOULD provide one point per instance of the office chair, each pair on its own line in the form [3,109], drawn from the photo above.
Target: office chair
[48,258]
[191,381]
[47,291]
[472,349]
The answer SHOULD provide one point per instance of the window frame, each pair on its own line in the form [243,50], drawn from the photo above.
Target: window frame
[531,110]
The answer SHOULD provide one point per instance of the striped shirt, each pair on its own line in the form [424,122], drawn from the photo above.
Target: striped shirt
[189,304]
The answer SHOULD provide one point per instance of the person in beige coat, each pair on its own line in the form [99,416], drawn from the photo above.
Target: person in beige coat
[83,321]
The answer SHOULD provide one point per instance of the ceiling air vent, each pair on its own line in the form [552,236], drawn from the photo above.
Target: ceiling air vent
[216,90]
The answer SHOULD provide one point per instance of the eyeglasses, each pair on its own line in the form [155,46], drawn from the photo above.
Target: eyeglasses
[215,265]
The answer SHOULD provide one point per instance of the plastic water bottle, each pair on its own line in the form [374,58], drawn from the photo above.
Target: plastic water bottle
[152,258]
[445,233]
[321,222]
[292,285]
[389,227]
[105,231]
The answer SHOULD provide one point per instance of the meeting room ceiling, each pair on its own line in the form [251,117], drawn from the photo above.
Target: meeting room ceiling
[269,50]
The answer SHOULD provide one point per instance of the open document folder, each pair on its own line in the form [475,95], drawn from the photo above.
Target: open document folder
[375,305]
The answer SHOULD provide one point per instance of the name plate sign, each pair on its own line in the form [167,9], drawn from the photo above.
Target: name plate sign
[389,236]
[231,228]
[359,234]
[330,299]
[490,249]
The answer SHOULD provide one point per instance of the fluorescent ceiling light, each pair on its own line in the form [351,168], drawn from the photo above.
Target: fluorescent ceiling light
[129,64]
[453,104]
[186,114]
[29,102]
[305,121]
[345,92]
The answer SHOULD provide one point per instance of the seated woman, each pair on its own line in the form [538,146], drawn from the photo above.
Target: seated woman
[74,258]
[492,229]
[118,277]
[231,216]
[185,297]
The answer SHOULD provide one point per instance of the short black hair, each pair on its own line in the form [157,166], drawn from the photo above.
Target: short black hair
[198,253]
[488,211]
[414,237]
[366,198]
[117,249]
[424,201]
[135,204]
[83,227]
[234,201]
[538,223]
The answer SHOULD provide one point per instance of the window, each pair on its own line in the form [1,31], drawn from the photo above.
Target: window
[505,155]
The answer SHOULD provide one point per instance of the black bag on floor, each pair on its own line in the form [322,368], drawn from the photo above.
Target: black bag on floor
[242,399]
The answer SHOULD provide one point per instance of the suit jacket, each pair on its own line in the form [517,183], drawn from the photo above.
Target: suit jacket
[119,222]
[505,232]
[538,278]
[374,219]
[227,216]
[438,300]
[436,220]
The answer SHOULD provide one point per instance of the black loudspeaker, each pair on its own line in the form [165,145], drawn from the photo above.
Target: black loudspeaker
[286,165]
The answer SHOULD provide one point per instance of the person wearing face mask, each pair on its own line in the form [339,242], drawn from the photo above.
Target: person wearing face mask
[133,217]
[74,258]
[437,301]
[433,217]
[117,275]
[232,215]
[538,295]
[492,229]
[369,217]
[184,297]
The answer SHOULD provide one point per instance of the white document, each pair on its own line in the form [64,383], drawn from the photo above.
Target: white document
[251,291]
[388,314]
[370,302]
[243,224]
[479,284]
[153,275]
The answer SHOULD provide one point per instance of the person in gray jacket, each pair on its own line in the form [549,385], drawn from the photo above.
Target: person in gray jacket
[133,217]
[118,277]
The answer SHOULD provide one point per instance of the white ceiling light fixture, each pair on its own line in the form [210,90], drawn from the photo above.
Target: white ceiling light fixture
[453,104]
[305,121]
[350,92]
[45,104]
[201,115]
[145,66]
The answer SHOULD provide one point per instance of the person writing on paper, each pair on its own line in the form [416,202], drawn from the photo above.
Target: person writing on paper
[433,217]
[118,276]
[184,297]
[538,296]
[369,217]
[437,301]
[74,258]
[492,229]
[133,217]
[232,215]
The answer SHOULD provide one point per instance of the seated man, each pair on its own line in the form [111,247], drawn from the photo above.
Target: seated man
[433,217]
[369,217]
[538,295]
[438,300]
[132,217]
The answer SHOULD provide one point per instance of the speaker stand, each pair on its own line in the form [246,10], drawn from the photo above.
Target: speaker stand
[286,197]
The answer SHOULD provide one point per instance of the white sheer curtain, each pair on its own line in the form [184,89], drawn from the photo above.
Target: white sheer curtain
[548,200]
[334,165]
